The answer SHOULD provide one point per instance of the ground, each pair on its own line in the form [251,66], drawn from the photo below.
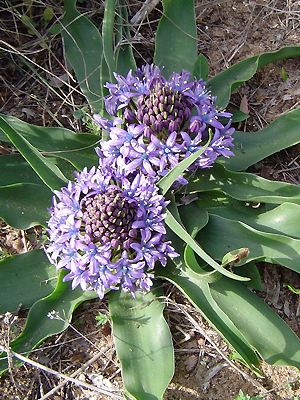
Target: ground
[228,31]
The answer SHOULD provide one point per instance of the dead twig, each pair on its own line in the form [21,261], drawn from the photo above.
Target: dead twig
[59,375]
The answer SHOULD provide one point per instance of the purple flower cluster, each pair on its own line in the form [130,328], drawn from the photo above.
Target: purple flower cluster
[157,122]
[107,227]
[108,231]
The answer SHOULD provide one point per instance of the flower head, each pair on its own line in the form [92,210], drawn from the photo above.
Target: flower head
[158,122]
[108,231]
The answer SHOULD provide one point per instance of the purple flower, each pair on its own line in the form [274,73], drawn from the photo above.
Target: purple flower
[163,122]
[108,231]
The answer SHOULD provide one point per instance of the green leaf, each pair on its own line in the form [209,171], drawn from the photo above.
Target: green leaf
[250,270]
[193,225]
[39,326]
[17,170]
[143,343]
[179,230]
[222,235]
[242,396]
[251,147]
[284,74]
[282,219]
[107,35]
[196,288]
[84,51]
[242,186]
[48,14]
[176,37]
[261,326]
[223,84]
[124,53]
[66,166]
[77,148]
[50,139]
[46,170]
[79,158]
[28,277]
[24,205]
[239,116]
[293,289]
[201,68]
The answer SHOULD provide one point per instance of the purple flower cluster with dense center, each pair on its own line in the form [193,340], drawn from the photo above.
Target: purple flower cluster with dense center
[157,122]
[108,231]
[107,227]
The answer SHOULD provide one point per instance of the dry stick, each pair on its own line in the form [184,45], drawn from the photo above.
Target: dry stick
[73,375]
[207,337]
[146,9]
[62,376]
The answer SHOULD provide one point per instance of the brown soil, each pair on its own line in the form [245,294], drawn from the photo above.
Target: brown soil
[228,31]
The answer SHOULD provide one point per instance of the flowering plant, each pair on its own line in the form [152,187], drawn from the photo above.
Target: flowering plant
[161,195]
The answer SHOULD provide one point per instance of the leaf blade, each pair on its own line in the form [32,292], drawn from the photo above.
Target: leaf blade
[46,170]
[252,147]
[84,51]
[63,300]
[147,360]
[124,53]
[225,82]
[254,318]
[178,229]
[243,186]
[221,235]
[196,288]
[177,22]
[107,36]
[25,205]
[28,276]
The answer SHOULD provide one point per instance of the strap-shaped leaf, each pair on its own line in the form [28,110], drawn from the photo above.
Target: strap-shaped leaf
[45,169]
[78,149]
[124,53]
[251,270]
[84,51]
[79,158]
[243,186]
[17,170]
[24,205]
[143,343]
[283,219]
[176,37]
[262,327]
[180,231]
[255,146]
[196,288]
[39,326]
[50,139]
[24,279]
[187,214]
[201,68]
[221,235]
[226,81]
[108,36]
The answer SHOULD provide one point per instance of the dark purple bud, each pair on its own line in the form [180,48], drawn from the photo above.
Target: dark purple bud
[129,115]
